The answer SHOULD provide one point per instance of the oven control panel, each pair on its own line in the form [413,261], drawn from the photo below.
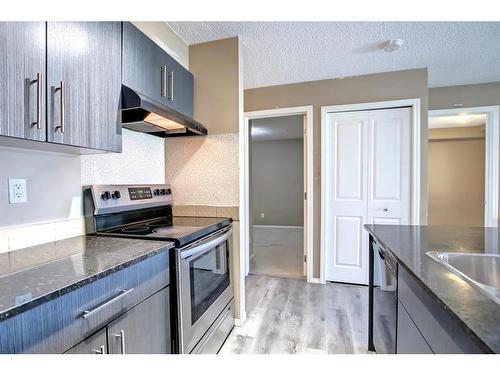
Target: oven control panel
[119,198]
[138,193]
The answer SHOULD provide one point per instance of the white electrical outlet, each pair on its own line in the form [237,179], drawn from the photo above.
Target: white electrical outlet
[17,190]
[262,215]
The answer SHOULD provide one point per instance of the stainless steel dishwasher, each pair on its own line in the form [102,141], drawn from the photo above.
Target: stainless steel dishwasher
[385,300]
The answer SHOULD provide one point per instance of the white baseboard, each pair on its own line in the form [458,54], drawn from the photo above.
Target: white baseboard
[315,280]
[279,226]
[239,322]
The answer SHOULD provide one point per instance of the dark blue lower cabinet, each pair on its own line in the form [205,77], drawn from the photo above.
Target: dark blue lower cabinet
[410,340]
[95,344]
[144,329]
[427,321]
[137,295]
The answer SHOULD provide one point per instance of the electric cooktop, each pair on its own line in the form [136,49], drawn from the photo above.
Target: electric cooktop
[144,212]
[180,230]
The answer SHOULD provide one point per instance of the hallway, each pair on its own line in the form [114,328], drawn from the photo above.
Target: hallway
[277,251]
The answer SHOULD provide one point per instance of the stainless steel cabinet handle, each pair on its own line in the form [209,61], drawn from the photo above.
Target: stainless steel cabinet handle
[38,81]
[88,313]
[385,209]
[122,340]
[61,88]
[164,85]
[102,350]
[171,88]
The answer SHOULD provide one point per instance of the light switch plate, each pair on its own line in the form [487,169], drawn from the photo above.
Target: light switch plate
[17,190]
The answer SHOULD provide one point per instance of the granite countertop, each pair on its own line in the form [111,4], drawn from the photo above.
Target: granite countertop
[35,275]
[409,244]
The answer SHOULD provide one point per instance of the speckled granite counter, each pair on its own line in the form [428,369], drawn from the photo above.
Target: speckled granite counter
[472,309]
[31,276]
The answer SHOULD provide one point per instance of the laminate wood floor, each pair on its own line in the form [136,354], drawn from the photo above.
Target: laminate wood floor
[292,316]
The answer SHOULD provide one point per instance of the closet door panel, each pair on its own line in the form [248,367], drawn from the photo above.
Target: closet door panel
[346,197]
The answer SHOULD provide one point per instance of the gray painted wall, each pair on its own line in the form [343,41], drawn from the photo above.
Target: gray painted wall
[277,173]
[359,89]
[52,181]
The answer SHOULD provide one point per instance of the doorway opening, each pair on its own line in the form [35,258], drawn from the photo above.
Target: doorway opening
[306,112]
[457,170]
[277,196]
[463,166]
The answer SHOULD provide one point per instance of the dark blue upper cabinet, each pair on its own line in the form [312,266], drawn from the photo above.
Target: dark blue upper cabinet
[142,63]
[150,70]
[22,80]
[84,84]
[180,88]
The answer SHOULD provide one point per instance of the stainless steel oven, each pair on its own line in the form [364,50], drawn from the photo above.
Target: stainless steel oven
[385,303]
[205,292]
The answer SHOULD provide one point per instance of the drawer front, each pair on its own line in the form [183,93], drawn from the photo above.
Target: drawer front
[441,331]
[409,340]
[57,325]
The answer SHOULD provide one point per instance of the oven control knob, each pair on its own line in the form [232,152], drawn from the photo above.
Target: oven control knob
[163,191]
[116,194]
[106,195]
[169,191]
[156,192]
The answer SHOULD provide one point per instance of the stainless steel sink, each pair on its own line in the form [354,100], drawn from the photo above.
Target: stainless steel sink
[482,271]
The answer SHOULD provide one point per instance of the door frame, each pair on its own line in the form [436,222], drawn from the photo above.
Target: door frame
[414,104]
[307,112]
[492,156]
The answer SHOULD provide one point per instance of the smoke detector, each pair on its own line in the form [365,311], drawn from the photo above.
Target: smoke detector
[393,45]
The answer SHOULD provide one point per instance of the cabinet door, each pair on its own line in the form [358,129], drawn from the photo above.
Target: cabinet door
[144,329]
[22,62]
[143,61]
[409,340]
[180,89]
[148,69]
[95,344]
[84,84]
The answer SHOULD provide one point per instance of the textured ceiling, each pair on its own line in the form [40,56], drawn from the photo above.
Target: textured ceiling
[284,52]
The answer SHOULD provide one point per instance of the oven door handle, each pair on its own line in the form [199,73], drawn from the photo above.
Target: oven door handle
[206,246]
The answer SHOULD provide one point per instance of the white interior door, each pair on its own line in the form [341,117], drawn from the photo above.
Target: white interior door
[346,195]
[367,178]
[389,170]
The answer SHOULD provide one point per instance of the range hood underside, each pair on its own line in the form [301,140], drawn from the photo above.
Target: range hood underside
[142,114]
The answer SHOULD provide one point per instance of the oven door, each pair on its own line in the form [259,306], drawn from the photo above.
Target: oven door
[204,283]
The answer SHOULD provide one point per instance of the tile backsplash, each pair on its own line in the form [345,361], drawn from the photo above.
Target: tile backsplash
[18,237]
[206,211]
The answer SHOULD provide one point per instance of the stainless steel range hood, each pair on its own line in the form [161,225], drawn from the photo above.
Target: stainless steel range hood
[143,114]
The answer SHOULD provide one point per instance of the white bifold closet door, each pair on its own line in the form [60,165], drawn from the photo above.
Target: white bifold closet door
[367,175]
